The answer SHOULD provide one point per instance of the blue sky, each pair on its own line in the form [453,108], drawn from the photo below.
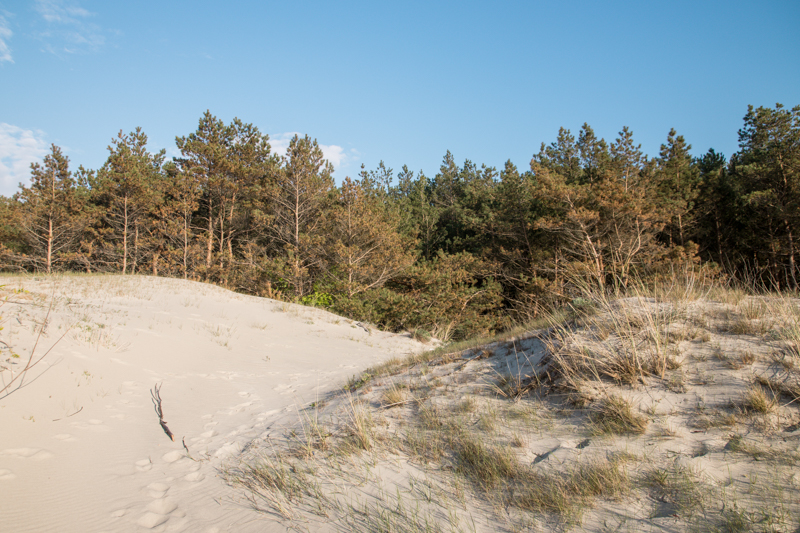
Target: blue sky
[401,82]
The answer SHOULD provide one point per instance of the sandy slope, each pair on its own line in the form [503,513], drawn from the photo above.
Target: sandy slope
[81,448]
[674,414]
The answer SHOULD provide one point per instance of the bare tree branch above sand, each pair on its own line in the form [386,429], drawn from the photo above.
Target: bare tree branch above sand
[13,381]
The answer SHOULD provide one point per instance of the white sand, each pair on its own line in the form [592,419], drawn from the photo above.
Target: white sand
[81,448]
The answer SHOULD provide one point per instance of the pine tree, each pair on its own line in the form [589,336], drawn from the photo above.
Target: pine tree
[230,164]
[768,166]
[678,179]
[363,247]
[175,219]
[205,159]
[414,199]
[129,186]
[50,210]
[301,190]
[713,208]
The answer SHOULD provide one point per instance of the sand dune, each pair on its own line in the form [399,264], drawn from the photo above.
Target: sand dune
[81,447]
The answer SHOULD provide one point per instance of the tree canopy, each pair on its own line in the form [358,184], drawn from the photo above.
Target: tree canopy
[468,250]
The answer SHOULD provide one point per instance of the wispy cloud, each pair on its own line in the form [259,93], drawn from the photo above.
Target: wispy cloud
[57,11]
[68,28]
[18,149]
[332,152]
[5,36]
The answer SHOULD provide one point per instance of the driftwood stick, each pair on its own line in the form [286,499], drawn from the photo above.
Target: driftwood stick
[155,395]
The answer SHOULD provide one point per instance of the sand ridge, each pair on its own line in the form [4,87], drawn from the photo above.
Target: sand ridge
[81,447]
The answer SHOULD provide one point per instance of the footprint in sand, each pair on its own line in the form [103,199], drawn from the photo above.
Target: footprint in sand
[228,449]
[143,465]
[157,490]
[208,434]
[28,453]
[239,408]
[162,506]
[194,477]
[118,513]
[8,475]
[244,394]
[173,456]
[151,520]
[95,422]
[64,436]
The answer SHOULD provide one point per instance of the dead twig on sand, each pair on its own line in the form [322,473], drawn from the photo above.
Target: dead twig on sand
[155,395]
[73,414]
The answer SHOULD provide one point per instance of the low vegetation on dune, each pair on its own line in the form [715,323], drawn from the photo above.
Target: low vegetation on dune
[661,410]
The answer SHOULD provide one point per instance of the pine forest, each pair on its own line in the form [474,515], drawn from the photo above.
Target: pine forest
[470,251]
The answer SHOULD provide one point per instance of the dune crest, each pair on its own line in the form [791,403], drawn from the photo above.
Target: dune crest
[82,446]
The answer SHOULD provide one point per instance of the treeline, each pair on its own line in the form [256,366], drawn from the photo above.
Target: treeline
[468,251]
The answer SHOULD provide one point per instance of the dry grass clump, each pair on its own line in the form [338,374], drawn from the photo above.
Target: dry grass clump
[757,400]
[676,486]
[677,382]
[714,419]
[566,493]
[626,341]
[515,387]
[284,483]
[359,426]
[787,385]
[394,396]
[736,360]
[743,326]
[497,471]
[615,415]
[312,436]
[761,451]
[484,463]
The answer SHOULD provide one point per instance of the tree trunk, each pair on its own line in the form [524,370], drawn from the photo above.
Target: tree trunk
[185,244]
[230,230]
[221,240]
[210,246]
[135,248]
[125,236]
[792,267]
[49,244]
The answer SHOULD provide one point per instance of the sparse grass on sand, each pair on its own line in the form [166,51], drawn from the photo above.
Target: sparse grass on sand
[667,409]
